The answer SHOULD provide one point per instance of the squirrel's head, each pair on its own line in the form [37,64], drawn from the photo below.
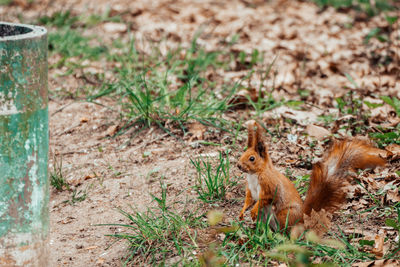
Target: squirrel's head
[256,156]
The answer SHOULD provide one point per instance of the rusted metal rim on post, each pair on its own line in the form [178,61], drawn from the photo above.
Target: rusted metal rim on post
[16,31]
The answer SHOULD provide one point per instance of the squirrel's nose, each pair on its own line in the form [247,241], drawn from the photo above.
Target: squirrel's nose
[240,166]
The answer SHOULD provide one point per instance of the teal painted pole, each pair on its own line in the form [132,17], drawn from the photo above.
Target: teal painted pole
[24,189]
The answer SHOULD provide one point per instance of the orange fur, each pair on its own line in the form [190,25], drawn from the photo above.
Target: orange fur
[277,193]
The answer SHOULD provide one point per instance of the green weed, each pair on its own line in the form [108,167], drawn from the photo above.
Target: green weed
[358,122]
[6,2]
[248,244]
[167,92]
[259,245]
[77,195]
[57,179]
[70,43]
[301,183]
[248,60]
[338,250]
[382,34]
[58,19]
[326,119]
[94,19]
[212,183]
[65,19]
[349,104]
[387,136]
[395,224]
[394,102]
[9,2]
[365,6]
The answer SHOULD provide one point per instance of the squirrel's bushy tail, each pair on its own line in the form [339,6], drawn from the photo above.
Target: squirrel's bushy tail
[329,177]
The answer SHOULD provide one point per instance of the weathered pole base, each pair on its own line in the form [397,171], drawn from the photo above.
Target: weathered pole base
[24,188]
[33,254]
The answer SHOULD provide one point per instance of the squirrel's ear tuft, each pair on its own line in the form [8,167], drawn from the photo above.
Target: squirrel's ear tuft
[261,149]
[251,135]
[259,132]
[260,146]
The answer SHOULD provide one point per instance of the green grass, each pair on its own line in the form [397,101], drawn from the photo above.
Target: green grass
[71,43]
[389,135]
[260,246]
[59,19]
[395,223]
[301,184]
[58,182]
[394,102]
[160,233]
[5,2]
[78,195]
[66,19]
[358,122]
[249,244]
[151,88]
[57,179]
[66,38]
[359,5]
[169,91]
[212,183]
[350,104]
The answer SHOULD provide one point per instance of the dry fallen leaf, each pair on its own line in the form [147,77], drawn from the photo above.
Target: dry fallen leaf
[100,261]
[75,181]
[392,122]
[320,221]
[91,247]
[378,247]
[381,114]
[377,263]
[241,98]
[318,132]
[112,130]
[67,220]
[357,233]
[197,130]
[302,117]
[90,176]
[21,3]
[84,119]
[394,149]
[363,264]
[393,195]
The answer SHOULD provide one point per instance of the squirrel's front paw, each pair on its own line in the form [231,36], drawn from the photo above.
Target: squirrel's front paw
[241,215]
[254,213]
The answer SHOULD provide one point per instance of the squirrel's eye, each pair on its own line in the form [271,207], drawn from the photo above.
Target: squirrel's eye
[252,158]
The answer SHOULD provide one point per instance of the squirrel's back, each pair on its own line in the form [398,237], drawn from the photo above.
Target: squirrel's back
[328,178]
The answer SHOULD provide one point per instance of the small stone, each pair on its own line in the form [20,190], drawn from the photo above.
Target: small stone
[318,132]
[113,27]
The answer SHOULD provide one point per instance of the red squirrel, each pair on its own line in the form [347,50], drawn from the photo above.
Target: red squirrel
[276,194]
